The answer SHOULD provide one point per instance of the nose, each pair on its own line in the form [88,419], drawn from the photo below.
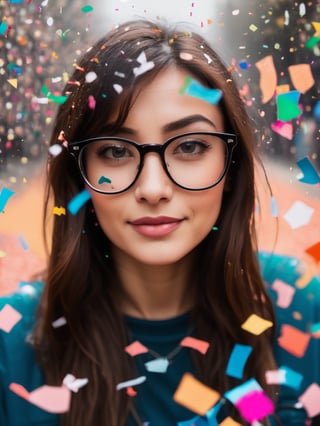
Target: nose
[153,184]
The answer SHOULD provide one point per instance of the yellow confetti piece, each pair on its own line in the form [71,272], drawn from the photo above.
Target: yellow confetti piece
[229,422]
[2,254]
[58,211]
[253,28]
[256,325]
[283,88]
[13,82]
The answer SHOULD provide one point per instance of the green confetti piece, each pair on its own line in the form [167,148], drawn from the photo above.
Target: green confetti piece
[287,105]
[312,42]
[104,179]
[87,9]
[58,99]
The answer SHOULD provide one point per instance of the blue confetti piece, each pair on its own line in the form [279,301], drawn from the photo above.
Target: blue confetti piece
[193,88]
[233,395]
[3,28]
[293,379]
[310,174]
[274,207]
[23,242]
[212,414]
[78,201]
[5,194]
[103,179]
[237,360]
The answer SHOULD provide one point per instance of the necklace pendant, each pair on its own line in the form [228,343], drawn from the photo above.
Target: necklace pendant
[158,365]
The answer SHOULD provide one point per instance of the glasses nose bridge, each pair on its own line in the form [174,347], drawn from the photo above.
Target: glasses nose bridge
[152,147]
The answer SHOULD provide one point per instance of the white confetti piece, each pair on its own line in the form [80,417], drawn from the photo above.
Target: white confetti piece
[90,77]
[298,215]
[59,322]
[132,382]
[55,149]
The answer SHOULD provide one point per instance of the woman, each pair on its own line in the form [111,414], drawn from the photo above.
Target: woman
[163,250]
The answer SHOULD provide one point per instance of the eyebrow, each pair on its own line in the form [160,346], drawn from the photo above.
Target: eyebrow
[176,125]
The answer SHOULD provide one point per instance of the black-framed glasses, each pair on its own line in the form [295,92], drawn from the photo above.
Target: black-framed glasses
[194,161]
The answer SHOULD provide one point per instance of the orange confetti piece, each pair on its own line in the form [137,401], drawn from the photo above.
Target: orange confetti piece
[314,251]
[229,422]
[136,348]
[195,396]
[301,77]
[131,392]
[293,340]
[268,78]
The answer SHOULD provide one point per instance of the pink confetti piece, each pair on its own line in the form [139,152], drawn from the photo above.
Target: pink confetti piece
[310,400]
[91,102]
[255,406]
[285,293]
[136,348]
[53,399]
[283,128]
[199,345]
[9,317]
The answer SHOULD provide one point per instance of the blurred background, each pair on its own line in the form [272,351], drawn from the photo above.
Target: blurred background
[273,50]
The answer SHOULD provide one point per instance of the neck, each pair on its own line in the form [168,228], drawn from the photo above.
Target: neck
[154,292]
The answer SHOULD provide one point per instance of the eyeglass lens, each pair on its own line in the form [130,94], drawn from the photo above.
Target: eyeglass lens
[193,161]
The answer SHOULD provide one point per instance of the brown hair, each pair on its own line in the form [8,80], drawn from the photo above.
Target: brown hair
[81,282]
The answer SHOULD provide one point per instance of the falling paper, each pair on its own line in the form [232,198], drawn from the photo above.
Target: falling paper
[285,293]
[59,211]
[237,360]
[310,174]
[159,365]
[310,400]
[136,348]
[298,215]
[256,325]
[283,128]
[194,395]
[256,405]
[132,382]
[5,194]
[293,340]
[78,201]
[284,376]
[144,65]
[193,88]
[54,399]
[314,251]
[288,105]
[200,345]
[235,394]
[9,317]
[301,77]
[268,78]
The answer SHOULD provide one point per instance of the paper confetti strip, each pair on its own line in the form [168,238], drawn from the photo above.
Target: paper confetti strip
[129,383]
[53,399]
[293,340]
[199,345]
[194,395]
[78,201]
[9,317]
[310,400]
[284,376]
[237,360]
[256,325]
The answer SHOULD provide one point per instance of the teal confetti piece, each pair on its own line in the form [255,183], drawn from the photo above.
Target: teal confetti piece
[212,414]
[237,360]
[193,88]
[104,179]
[87,9]
[251,385]
[293,379]
[310,175]
[287,105]
[78,201]
[3,28]
[5,194]
[315,328]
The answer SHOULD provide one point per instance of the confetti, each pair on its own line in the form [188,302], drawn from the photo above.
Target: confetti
[159,365]
[23,242]
[301,77]
[60,322]
[256,325]
[298,215]
[310,400]
[193,88]
[200,345]
[287,105]
[136,348]
[78,201]
[13,82]
[256,405]
[53,399]
[55,150]
[5,195]
[293,340]
[283,128]
[237,360]
[310,174]
[3,28]
[235,394]
[87,9]
[144,65]
[285,293]
[74,384]
[133,382]
[59,211]
[9,317]
[118,88]
[91,102]
[104,179]
[314,251]
[194,395]
[268,78]
[90,77]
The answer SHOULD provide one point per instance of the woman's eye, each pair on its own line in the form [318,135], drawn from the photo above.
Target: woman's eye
[191,147]
[114,152]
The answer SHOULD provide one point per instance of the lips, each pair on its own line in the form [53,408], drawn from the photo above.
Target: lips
[153,227]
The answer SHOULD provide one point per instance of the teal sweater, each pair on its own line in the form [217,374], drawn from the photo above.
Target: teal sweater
[18,364]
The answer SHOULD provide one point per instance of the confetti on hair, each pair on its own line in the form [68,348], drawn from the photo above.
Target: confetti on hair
[133,382]
[144,66]
[237,360]
[186,56]
[59,322]
[256,325]
[3,28]
[90,77]
[118,88]
[91,102]
[13,82]
[55,150]
[193,88]
[78,201]
[74,384]
[59,211]
[5,195]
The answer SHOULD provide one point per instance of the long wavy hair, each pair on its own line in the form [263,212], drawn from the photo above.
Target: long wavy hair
[81,282]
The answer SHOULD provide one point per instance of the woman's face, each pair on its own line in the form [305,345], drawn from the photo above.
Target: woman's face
[155,222]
